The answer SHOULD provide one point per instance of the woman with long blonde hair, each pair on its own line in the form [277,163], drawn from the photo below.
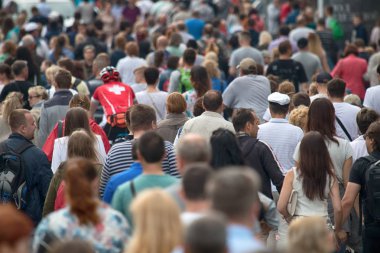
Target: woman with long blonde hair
[157,225]
[12,102]
[315,47]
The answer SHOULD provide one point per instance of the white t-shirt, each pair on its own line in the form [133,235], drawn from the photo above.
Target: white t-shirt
[320,95]
[157,100]
[189,217]
[127,65]
[60,151]
[359,148]
[372,98]
[347,115]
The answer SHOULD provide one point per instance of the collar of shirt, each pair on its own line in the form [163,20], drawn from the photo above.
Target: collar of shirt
[175,116]
[212,114]
[241,134]
[277,120]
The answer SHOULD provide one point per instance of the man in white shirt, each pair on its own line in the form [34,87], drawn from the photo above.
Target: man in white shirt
[301,31]
[372,95]
[322,80]
[128,64]
[345,113]
[282,136]
[364,118]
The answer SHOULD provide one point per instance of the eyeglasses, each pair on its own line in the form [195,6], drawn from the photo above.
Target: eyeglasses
[30,97]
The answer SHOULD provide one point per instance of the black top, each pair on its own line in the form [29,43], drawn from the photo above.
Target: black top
[260,157]
[290,70]
[357,176]
[18,86]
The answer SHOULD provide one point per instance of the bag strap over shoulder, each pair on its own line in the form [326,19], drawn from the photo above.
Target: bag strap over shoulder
[22,148]
[343,128]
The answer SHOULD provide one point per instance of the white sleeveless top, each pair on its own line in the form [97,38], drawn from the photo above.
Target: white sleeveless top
[306,206]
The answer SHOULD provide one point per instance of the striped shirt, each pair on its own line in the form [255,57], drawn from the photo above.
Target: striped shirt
[119,159]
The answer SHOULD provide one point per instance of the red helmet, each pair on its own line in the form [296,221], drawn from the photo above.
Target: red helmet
[109,74]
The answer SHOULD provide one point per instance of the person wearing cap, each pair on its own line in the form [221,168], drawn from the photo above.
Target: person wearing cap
[249,90]
[321,81]
[282,136]
[310,62]
[41,47]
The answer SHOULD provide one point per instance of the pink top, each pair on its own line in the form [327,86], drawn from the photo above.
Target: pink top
[352,69]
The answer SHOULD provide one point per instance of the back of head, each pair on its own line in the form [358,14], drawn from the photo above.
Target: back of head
[143,117]
[365,117]
[189,56]
[200,80]
[241,118]
[74,246]
[194,181]
[66,63]
[80,100]
[373,132]
[101,61]
[298,116]
[151,75]
[287,88]
[156,220]
[80,176]
[62,79]
[351,49]
[6,70]
[284,30]
[353,99]
[212,100]
[205,235]
[285,47]
[321,118]
[151,147]
[176,103]
[234,192]
[12,102]
[132,49]
[302,43]
[244,37]
[193,148]
[198,107]
[173,62]
[81,144]
[120,41]
[77,118]
[17,119]
[301,98]
[336,88]
[18,67]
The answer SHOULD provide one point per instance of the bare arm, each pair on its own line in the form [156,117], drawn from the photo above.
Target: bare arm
[348,200]
[286,191]
[337,205]
[347,165]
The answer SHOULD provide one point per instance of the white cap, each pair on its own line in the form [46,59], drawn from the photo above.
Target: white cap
[54,15]
[279,98]
[30,27]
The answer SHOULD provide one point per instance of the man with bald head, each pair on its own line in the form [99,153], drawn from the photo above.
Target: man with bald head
[160,45]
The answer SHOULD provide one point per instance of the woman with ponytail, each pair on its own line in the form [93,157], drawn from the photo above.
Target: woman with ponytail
[85,217]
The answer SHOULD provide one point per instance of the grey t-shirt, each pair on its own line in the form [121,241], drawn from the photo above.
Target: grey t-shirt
[250,91]
[310,62]
[245,52]
[157,100]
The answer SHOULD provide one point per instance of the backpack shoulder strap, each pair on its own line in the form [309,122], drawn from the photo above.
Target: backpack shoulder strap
[23,147]
[133,189]
[76,83]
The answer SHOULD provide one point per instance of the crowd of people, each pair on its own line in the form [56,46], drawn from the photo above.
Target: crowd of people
[165,126]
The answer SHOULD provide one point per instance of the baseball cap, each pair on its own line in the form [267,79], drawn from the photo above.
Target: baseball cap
[247,64]
[323,77]
[279,98]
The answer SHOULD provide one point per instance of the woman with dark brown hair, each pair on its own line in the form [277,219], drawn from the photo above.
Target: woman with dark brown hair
[201,83]
[313,180]
[85,217]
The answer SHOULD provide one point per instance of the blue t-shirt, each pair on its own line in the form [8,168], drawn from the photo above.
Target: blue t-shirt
[121,178]
[195,27]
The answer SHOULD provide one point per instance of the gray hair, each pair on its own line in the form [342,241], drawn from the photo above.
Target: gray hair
[193,148]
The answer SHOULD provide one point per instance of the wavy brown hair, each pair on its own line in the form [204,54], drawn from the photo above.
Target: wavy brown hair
[77,118]
[200,80]
[315,165]
[81,145]
[79,177]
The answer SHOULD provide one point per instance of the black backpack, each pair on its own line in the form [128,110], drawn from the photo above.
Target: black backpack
[372,186]
[12,175]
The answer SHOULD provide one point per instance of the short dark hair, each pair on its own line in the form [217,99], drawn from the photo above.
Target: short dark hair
[173,62]
[321,22]
[301,98]
[151,147]
[67,64]
[373,132]
[245,36]
[189,56]
[151,75]
[17,118]
[18,66]
[63,78]
[364,119]
[284,30]
[336,88]
[284,47]
[142,117]
[212,100]
[278,109]
[241,118]
[194,181]
[302,43]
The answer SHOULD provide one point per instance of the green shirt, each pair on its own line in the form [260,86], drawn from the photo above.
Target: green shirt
[123,195]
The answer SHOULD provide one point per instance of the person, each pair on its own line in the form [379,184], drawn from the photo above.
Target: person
[115,97]
[345,113]
[5,75]
[333,24]
[312,188]
[180,79]
[150,153]
[60,50]
[35,165]
[273,12]
[283,145]
[225,149]
[201,83]
[257,154]
[234,192]
[352,76]
[12,102]
[364,118]
[172,65]
[327,41]
[56,107]
[359,183]
[298,117]
[301,30]
[244,51]
[321,84]
[359,31]
[195,25]
[315,47]
[175,118]
[80,144]
[371,94]
[15,230]
[211,119]
[152,96]
[310,62]
[85,214]
[118,52]
[139,83]
[206,235]
[193,192]
[213,71]
[76,118]
[120,158]
[309,234]
[283,35]
[249,90]
[20,83]
[287,69]
[151,234]
[77,83]
[128,64]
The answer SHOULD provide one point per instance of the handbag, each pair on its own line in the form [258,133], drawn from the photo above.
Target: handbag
[292,203]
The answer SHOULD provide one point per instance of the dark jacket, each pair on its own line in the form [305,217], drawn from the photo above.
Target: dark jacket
[38,175]
[259,156]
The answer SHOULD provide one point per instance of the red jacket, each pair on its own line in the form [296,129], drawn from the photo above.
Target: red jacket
[49,144]
[60,199]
